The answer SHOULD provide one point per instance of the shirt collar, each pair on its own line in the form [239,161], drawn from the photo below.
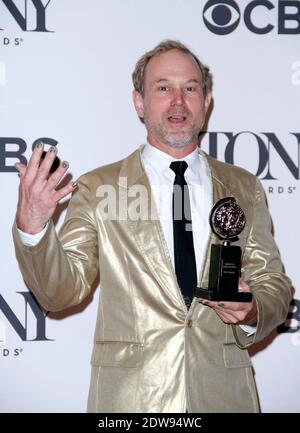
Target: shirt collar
[161,160]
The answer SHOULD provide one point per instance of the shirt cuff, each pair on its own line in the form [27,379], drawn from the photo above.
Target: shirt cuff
[249,329]
[32,240]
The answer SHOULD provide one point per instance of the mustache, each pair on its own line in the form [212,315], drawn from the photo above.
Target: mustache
[178,111]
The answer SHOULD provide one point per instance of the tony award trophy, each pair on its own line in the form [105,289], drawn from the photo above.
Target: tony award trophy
[227,221]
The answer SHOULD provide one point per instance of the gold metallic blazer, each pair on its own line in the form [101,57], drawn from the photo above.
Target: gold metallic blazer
[150,355]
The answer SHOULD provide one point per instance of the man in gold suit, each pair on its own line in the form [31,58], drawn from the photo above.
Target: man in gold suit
[157,348]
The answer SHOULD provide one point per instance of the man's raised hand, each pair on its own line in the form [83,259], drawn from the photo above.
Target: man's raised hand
[38,193]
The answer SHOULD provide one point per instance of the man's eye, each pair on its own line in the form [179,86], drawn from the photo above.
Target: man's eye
[190,89]
[163,88]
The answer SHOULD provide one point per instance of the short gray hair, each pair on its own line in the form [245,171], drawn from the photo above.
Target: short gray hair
[138,75]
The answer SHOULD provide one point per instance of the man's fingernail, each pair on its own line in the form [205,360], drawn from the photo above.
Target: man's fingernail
[75,184]
[17,168]
[65,164]
[53,149]
[220,304]
[39,144]
[203,301]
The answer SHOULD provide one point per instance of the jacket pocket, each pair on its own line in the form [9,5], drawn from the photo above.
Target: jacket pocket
[117,354]
[234,357]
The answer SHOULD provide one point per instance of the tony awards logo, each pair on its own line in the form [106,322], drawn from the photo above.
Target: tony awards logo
[227,221]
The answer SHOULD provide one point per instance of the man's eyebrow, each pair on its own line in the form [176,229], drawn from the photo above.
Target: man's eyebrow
[160,80]
[192,80]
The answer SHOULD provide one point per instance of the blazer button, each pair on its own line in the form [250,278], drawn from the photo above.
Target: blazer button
[190,323]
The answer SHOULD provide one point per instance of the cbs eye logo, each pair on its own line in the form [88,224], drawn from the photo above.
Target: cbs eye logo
[221,17]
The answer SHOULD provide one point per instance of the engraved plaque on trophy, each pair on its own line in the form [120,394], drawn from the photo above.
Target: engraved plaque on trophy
[227,221]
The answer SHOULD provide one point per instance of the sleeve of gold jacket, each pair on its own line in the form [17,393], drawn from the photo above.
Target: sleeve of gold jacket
[262,270]
[60,271]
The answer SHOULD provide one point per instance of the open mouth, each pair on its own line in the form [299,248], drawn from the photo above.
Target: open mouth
[177,119]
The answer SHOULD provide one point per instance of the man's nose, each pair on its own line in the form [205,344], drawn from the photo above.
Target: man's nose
[178,97]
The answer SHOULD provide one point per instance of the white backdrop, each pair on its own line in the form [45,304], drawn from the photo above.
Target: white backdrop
[72,84]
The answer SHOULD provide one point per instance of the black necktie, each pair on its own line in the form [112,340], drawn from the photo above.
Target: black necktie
[184,254]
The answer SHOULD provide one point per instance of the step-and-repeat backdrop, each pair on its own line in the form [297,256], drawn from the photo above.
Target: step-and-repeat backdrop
[65,77]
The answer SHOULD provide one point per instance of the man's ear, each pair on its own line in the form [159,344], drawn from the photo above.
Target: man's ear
[207,101]
[138,103]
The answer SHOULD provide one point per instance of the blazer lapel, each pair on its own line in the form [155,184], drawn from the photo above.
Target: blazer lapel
[147,229]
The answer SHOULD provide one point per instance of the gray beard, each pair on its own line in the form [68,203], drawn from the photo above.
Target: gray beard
[169,139]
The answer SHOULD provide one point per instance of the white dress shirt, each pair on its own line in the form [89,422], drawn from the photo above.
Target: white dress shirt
[161,178]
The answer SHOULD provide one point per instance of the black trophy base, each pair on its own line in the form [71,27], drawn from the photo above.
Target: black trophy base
[225,295]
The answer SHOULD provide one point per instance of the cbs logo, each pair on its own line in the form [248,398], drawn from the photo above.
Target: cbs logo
[223,17]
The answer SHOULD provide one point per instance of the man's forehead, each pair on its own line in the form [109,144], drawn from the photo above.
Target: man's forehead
[171,63]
